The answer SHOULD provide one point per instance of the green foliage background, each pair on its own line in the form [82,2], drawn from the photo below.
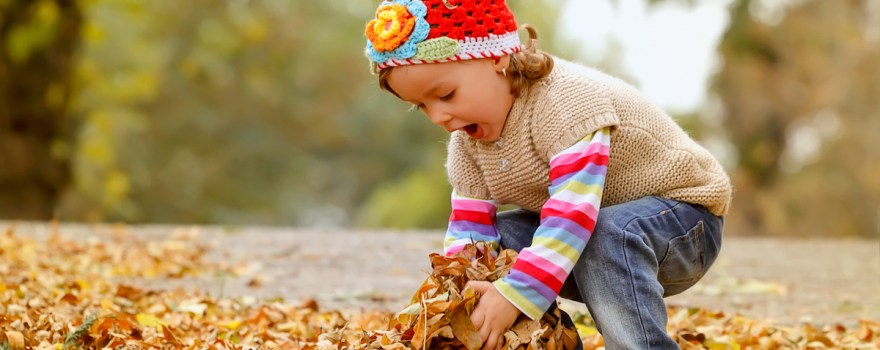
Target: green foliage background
[257,112]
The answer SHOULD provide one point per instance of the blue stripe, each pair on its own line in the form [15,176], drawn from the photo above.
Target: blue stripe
[570,226]
[464,225]
[562,235]
[536,292]
[472,235]
[591,175]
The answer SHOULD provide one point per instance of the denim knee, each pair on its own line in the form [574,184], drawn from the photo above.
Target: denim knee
[516,228]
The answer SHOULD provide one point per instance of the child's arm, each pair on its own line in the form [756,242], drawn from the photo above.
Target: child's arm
[577,177]
[472,220]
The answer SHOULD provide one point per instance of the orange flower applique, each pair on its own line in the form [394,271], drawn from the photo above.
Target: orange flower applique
[392,26]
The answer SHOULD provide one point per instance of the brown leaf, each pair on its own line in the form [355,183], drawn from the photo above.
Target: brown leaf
[444,332]
[169,336]
[100,328]
[69,298]
[424,338]
[419,336]
[15,339]
[465,331]
[310,304]
[698,338]
[129,292]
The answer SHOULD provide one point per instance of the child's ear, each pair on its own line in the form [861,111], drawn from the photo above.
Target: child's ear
[501,63]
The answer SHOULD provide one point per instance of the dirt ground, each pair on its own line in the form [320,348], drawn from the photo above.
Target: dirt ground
[776,279]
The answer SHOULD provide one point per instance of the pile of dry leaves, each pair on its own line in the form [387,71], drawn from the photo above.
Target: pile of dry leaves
[439,316]
[72,293]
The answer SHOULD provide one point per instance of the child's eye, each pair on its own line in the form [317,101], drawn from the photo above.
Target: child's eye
[448,96]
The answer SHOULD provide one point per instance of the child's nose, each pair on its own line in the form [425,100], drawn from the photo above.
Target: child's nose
[439,117]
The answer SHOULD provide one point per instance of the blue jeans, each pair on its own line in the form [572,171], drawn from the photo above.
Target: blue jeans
[639,253]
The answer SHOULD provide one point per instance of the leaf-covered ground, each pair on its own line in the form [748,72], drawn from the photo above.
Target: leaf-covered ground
[76,292]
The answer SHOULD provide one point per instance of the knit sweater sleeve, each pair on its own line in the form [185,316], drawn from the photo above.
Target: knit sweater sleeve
[577,178]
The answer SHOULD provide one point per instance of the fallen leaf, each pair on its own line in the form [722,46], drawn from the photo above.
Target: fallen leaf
[465,331]
[15,339]
[146,320]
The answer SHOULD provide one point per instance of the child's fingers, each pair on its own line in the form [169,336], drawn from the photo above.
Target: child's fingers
[488,342]
[482,323]
[480,287]
[492,341]
[499,340]
[478,318]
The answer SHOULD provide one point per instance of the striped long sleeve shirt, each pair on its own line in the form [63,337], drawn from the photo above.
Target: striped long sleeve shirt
[577,178]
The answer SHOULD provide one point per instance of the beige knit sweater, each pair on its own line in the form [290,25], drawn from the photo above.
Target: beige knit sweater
[650,153]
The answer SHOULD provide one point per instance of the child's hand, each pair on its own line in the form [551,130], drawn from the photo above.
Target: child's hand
[493,314]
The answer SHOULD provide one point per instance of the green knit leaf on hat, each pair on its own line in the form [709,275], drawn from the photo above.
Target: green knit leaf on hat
[437,49]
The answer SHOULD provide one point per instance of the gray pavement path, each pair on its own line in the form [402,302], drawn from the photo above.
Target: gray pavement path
[786,280]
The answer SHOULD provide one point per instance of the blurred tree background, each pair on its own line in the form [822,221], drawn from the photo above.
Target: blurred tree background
[264,112]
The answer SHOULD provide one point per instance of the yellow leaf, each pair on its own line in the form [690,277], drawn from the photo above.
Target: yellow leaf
[149,321]
[721,343]
[83,285]
[232,325]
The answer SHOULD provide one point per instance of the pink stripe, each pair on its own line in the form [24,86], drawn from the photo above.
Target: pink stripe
[563,206]
[472,205]
[568,158]
[543,264]
[472,55]
[454,249]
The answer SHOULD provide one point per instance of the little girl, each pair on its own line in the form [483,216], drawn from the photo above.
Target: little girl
[554,138]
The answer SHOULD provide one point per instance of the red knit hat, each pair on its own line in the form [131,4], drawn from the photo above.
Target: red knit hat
[433,31]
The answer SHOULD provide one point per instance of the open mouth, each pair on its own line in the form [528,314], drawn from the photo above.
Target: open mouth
[471,129]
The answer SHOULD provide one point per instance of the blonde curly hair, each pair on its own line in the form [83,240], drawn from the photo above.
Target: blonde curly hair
[526,66]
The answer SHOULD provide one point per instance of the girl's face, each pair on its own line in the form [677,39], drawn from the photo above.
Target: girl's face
[473,95]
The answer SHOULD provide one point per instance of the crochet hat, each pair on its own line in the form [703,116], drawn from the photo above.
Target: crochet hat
[408,32]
